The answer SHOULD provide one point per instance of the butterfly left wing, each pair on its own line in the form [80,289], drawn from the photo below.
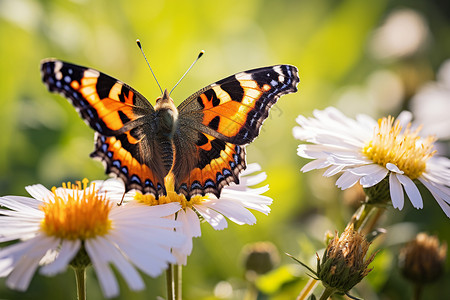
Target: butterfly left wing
[216,123]
[123,119]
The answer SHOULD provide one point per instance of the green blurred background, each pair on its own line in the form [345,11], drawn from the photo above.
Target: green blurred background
[361,56]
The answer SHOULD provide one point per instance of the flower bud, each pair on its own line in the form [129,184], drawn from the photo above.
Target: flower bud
[259,258]
[343,264]
[422,260]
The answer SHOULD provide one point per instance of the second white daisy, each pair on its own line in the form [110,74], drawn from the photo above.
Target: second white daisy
[367,151]
[234,202]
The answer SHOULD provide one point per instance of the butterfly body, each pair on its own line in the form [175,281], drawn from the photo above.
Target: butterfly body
[202,141]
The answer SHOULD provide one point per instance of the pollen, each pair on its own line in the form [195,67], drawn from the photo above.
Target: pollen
[76,213]
[402,147]
[171,196]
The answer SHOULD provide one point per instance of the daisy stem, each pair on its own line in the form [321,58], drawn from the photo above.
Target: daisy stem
[80,276]
[327,293]
[417,291]
[365,219]
[170,283]
[363,215]
[177,273]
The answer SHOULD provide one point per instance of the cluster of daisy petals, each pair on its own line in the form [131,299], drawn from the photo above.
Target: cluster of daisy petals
[367,151]
[55,227]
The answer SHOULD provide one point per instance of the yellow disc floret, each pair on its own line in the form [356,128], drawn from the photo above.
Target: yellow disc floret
[403,148]
[76,213]
[171,196]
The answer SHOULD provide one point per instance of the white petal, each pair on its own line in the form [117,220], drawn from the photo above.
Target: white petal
[22,205]
[20,277]
[315,164]
[249,200]
[396,192]
[373,178]
[108,282]
[333,170]
[443,203]
[194,223]
[66,253]
[367,169]
[411,190]
[123,266]
[347,180]
[233,210]
[393,168]
[251,168]
[25,258]
[148,254]
[348,159]
[216,220]
[252,180]
[39,192]
[440,190]
[190,228]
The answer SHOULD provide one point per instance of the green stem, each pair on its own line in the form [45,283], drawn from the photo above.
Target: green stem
[178,280]
[361,216]
[417,291]
[80,277]
[170,283]
[327,293]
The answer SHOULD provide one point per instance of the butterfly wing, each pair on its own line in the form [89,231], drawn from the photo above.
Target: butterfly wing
[216,123]
[123,119]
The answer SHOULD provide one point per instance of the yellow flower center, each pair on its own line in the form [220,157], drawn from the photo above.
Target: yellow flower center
[77,214]
[172,196]
[407,150]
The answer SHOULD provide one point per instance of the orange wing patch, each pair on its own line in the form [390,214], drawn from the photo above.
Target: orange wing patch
[219,164]
[226,114]
[237,106]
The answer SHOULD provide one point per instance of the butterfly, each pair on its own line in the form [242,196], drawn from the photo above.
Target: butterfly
[202,141]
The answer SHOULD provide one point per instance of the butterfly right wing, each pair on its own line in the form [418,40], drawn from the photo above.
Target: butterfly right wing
[123,119]
[217,122]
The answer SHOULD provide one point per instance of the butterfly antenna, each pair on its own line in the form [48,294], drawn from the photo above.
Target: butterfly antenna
[199,55]
[140,47]
[121,201]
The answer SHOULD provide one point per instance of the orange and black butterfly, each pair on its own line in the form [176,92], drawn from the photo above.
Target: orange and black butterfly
[202,141]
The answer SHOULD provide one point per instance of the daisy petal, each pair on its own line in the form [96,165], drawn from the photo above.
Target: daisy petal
[108,282]
[373,178]
[411,190]
[393,168]
[347,180]
[215,219]
[39,192]
[396,192]
[66,253]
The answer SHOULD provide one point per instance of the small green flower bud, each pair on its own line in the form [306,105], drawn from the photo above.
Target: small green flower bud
[343,264]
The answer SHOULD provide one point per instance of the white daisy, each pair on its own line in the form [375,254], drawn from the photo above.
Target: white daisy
[431,96]
[54,226]
[367,151]
[234,202]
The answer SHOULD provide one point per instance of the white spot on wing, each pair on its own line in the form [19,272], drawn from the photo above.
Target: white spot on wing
[91,73]
[58,66]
